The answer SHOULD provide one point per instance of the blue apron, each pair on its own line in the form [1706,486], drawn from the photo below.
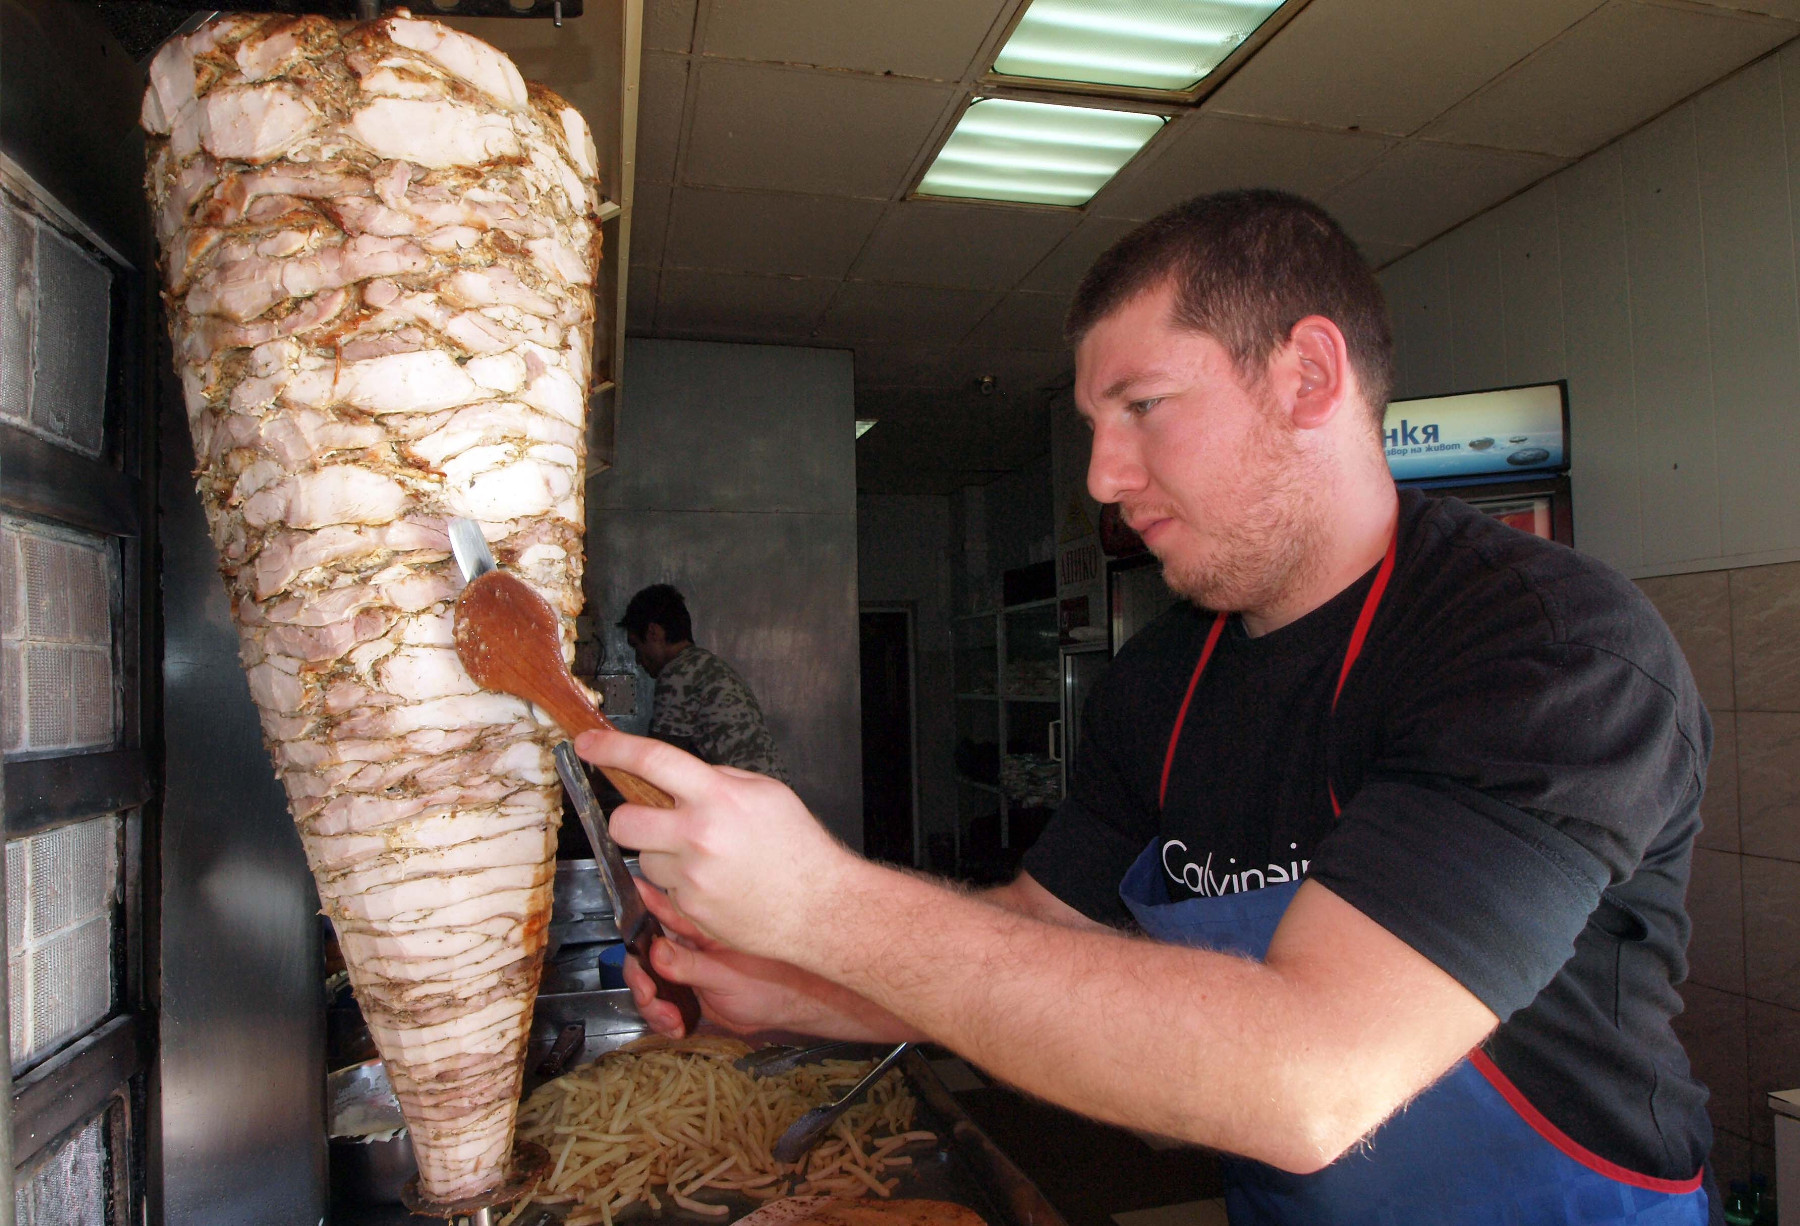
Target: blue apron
[1469,1151]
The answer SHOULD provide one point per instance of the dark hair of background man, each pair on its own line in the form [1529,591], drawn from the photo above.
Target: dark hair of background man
[1247,266]
[662,605]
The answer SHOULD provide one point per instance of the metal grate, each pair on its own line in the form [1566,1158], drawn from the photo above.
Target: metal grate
[56,589]
[72,1187]
[55,333]
[18,242]
[60,933]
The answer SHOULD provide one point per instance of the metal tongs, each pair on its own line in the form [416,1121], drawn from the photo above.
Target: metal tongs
[809,1129]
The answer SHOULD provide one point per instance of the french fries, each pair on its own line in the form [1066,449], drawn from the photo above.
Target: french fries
[671,1119]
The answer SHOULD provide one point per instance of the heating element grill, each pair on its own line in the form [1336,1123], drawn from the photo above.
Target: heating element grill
[56,308]
[56,590]
[59,927]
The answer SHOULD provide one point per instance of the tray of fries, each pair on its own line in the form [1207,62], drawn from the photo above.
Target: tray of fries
[641,1128]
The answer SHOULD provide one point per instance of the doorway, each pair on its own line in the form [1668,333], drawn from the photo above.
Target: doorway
[890,827]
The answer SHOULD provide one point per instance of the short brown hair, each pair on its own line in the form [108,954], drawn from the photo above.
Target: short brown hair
[1247,266]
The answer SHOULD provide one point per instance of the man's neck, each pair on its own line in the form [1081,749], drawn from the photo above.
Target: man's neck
[1356,533]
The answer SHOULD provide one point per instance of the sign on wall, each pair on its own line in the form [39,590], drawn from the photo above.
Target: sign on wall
[1513,430]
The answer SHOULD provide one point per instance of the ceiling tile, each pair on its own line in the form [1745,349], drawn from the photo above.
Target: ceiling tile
[661,93]
[1024,321]
[809,236]
[791,130]
[966,246]
[1615,70]
[649,223]
[669,25]
[1063,269]
[922,38]
[1389,65]
[1211,153]
[903,314]
[724,306]
[909,366]
[1020,371]
[1419,190]
[1789,9]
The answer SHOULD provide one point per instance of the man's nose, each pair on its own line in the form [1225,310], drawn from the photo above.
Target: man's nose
[1115,469]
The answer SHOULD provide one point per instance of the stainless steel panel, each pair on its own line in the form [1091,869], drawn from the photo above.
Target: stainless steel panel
[243,1024]
[714,427]
[775,595]
[736,482]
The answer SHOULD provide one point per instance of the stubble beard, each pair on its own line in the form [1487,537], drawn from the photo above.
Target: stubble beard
[1272,548]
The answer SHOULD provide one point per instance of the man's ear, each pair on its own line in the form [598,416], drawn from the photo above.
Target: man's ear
[1319,361]
[654,635]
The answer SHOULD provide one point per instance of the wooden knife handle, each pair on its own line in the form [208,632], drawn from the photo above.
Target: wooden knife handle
[678,994]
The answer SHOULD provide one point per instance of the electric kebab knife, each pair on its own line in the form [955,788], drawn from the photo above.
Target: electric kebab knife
[509,639]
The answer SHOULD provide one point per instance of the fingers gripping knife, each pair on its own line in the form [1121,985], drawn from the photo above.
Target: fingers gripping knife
[503,629]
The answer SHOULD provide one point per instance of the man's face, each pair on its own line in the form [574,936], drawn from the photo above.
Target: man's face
[1204,465]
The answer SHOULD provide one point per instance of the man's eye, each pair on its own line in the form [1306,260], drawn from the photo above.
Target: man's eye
[1141,407]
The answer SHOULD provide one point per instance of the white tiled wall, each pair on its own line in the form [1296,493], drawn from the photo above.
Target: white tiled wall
[1659,276]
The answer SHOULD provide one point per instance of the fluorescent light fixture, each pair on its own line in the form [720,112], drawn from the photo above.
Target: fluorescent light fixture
[1137,44]
[1036,153]
[864,425]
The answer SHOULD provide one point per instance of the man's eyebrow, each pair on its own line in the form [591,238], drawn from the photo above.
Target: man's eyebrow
[1120,385]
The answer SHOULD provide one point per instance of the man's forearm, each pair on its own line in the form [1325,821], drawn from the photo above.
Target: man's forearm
[1206,1047]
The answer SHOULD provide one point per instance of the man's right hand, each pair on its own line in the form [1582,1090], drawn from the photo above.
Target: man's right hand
[743,992]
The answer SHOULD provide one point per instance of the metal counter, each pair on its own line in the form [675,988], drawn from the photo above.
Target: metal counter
[965,1166]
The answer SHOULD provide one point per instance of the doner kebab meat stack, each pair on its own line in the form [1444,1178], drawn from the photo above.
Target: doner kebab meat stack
[379,247]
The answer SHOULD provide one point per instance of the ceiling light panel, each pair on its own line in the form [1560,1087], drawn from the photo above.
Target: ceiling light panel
[1036,153]
[1136,44]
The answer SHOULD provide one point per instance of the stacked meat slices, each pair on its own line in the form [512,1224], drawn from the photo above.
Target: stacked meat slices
[379,248]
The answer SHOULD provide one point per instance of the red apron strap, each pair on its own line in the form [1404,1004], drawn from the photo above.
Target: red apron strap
[1358,636]
[1212,641]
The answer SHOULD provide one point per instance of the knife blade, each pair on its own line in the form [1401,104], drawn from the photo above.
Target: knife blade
[637,927]
[470,547]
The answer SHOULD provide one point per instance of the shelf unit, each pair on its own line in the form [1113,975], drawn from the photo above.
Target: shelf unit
[1008,718]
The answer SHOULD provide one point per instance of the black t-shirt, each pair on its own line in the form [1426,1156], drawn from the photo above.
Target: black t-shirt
[1520,752]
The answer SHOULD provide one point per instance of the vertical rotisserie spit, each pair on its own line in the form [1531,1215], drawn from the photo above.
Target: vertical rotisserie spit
[379,246]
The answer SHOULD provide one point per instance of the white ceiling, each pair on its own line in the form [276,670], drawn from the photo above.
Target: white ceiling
[778,140]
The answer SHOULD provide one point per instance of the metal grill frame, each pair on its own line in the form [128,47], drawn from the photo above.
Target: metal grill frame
[112,493]
[114,1117]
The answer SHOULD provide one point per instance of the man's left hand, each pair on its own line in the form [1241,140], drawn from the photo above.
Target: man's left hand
[739,854]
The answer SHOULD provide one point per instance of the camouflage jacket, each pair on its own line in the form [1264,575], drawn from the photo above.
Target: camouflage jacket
[703,706]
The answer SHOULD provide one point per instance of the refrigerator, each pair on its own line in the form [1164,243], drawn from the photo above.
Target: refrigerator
[1505,450]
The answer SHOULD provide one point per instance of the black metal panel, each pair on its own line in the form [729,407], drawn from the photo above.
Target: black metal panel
[45,480]
[46,791]
[73,1084]
[76,135]
[242,1035]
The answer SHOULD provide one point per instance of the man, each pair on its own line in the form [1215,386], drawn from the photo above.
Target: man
[1408,825]
[701,704]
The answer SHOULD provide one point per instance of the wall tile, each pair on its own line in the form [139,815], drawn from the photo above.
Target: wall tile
[1750,286]
[1596,298]
[1698,609]
[1712,1030]
[1531,287]
[1769,783]
[1730,1159]
[1716,905]
[1765,627]
[1677,454]
[1720,806]
[1774,1063]
[1478,319]
[1772,930]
